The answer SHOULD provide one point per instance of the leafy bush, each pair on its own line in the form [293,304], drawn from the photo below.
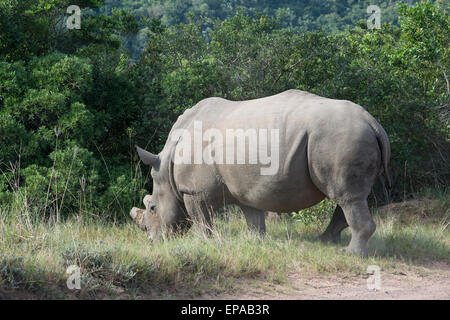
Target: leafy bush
[68,186]
[120,196]
[318,215]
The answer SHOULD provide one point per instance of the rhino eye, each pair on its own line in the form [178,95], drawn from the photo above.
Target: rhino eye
[152,207]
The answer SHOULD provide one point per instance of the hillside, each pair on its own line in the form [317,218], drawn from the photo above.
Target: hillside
[331,15]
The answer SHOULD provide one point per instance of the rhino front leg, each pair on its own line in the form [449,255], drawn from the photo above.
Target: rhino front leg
[199,212]
[256,219]
[334,229]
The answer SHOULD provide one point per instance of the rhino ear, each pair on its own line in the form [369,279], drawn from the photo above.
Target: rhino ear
[148,158]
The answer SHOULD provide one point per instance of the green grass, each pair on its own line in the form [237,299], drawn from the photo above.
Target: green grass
[117,258]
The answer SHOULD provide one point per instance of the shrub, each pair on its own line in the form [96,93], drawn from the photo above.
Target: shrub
[318,215]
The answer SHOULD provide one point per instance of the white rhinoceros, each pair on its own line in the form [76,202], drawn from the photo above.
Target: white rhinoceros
[293,149]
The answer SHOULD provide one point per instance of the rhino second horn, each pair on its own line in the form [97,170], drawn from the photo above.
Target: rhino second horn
[148,158]
[147,200]
[134,212]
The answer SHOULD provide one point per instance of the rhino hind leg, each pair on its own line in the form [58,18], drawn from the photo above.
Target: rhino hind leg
[334,229]
[256,219]
[361,225]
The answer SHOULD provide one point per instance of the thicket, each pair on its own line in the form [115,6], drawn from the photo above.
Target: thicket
[331,15]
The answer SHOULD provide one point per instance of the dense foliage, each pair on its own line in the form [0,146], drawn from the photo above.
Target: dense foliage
[73,103]
[332,15]
[306,15]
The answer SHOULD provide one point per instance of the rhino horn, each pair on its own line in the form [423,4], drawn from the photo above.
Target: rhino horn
[138,216]
[148,158]
[147,202]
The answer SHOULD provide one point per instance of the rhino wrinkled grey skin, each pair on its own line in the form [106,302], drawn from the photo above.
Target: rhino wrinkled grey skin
[327,148]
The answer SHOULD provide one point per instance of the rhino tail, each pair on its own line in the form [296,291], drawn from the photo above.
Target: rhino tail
[385,147]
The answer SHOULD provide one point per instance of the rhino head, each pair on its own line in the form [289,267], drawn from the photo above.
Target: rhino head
[162,208]
[146,219]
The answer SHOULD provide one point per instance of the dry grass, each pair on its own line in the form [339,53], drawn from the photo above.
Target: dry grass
[117,260]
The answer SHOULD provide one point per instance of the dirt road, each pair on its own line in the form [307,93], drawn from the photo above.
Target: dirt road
[433,283]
